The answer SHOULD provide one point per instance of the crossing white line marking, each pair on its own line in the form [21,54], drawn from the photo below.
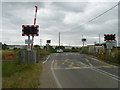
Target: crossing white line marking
[106,73]
[83,67]
[89,62]
[103,72]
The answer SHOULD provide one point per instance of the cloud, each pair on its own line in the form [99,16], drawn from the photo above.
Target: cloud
[70,6]
[69,18]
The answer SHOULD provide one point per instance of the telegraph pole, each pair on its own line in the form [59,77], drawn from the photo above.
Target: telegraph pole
[83,44]
[59,40]
[83,41]
[99,38]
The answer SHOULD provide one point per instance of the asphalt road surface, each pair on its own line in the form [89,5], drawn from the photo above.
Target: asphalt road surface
[74,70]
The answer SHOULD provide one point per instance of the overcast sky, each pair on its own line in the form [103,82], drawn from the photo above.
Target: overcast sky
[54,17]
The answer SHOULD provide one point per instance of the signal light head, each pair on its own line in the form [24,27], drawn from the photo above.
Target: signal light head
[109,37]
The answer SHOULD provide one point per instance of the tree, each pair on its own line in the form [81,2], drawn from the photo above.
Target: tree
[104,44]
[73,48]
[4,46]
[36,46]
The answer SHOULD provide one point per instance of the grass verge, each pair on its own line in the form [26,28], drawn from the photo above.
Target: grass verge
[21,76]
[107,57]
[16,74]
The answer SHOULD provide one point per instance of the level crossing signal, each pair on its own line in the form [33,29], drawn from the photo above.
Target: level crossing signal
[109,37]
[30,30]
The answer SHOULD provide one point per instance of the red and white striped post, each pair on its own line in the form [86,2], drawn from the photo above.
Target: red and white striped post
[34,24]
[35,14]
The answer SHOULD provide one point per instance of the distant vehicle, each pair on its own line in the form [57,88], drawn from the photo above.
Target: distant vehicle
[59,50]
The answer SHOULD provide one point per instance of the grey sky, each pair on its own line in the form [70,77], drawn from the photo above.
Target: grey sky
[55,17]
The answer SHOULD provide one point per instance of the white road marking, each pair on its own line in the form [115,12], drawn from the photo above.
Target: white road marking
[87,60]
[106,73]
[71,68]
[89,67]
[85,67]
[89,63]
[55,77]
[82,63]
[103,72]
[63,63]
[46,59]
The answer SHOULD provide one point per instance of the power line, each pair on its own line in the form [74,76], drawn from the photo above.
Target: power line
[99,15]
[103,12]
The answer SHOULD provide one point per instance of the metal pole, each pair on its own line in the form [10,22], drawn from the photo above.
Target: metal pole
[117,52]
[99,38]
[29,48]
[59,40]
[83,44]
[48,48]
[35,15]
[29,43]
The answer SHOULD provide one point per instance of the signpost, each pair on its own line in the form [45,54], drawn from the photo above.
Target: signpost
[110,41]
[111,44]
[83,40]
[30,30]
[28,41]
[109,37]
[48,42]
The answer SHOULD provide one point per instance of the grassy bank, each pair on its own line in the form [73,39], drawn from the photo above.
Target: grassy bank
[16,74]
[106,56]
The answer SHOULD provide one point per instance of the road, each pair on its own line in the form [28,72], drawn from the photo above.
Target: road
[74,70]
